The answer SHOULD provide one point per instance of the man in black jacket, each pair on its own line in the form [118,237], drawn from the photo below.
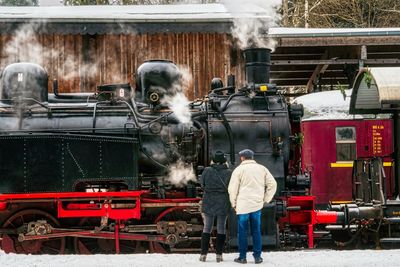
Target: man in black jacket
[215,180]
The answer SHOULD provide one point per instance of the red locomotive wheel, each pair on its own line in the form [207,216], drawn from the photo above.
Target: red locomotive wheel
[179,214]
[11,244]
[102,246]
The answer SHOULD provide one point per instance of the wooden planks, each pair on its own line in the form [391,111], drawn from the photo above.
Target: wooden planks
[81,62]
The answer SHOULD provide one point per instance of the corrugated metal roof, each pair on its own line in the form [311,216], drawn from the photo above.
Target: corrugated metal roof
[388,83]
[376,90]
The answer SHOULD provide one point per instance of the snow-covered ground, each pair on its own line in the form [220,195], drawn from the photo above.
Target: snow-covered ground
[306,258]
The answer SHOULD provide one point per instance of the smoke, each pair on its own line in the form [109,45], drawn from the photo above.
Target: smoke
[180,173]
[177,100]
[24,46]
[28,45]
[252,18]
[88,70]
[179,105]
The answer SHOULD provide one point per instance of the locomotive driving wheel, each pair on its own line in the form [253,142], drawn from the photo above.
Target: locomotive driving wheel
[19,220]
[192,242]
[85,245]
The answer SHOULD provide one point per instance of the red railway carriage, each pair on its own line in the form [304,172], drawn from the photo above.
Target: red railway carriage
[330,146]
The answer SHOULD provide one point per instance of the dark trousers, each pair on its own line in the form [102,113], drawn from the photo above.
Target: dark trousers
[209,222]
[255,227]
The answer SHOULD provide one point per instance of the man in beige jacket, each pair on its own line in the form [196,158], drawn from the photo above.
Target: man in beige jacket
[251,186]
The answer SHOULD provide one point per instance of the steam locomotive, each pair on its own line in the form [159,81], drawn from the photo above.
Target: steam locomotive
[117,170]
[111,165]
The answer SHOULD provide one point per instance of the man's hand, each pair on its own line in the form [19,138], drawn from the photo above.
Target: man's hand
[269,205]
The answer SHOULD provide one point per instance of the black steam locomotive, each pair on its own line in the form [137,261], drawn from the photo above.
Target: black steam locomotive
[117,169]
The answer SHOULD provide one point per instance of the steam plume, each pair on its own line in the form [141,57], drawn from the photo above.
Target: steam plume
[180,174]
[177,101]
[252,18]
[26,45]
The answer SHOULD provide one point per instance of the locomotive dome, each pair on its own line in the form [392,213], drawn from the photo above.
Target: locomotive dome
[24,80]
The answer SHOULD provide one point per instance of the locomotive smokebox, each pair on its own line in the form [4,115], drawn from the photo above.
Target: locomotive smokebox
[258,61]
[156,78]
[23,81]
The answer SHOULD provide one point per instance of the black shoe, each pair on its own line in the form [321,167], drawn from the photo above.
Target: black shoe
[240,260]
[258,260]
[203,258]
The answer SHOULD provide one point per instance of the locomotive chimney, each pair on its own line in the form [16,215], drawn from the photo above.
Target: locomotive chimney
[258,61]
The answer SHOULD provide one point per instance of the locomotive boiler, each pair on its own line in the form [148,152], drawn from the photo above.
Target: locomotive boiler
[117,170]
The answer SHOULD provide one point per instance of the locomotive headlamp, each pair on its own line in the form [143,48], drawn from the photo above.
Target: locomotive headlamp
[154,97]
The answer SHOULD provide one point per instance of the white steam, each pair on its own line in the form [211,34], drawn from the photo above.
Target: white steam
[28,45]
[24,46]
[252,18]
[177,101]
[181,173]
[179,104]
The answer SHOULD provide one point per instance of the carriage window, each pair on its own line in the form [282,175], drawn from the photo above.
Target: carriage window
[345,143]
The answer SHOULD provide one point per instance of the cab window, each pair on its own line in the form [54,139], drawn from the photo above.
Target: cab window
[345,143]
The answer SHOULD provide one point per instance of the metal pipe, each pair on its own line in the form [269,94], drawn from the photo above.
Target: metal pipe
[229,100]
[230,136]
[396,151]
[117,250]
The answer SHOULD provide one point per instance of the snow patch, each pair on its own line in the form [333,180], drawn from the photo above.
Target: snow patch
[329,105]
[301,258]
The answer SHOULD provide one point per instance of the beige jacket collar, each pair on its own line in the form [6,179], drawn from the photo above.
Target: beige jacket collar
[247,161]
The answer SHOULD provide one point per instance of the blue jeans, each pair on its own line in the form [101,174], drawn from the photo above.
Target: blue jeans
[255,227]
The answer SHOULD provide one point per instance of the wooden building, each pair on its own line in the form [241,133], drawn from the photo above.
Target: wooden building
[86,46]
[91,45]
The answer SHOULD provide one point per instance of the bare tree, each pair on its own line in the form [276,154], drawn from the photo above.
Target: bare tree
[356,13]
[342,13]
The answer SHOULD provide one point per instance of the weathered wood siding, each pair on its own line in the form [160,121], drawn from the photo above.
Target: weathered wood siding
[81,62]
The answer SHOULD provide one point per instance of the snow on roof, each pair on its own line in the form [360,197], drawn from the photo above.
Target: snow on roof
[173,13]
[328,105]
[331,32]
[184,12]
